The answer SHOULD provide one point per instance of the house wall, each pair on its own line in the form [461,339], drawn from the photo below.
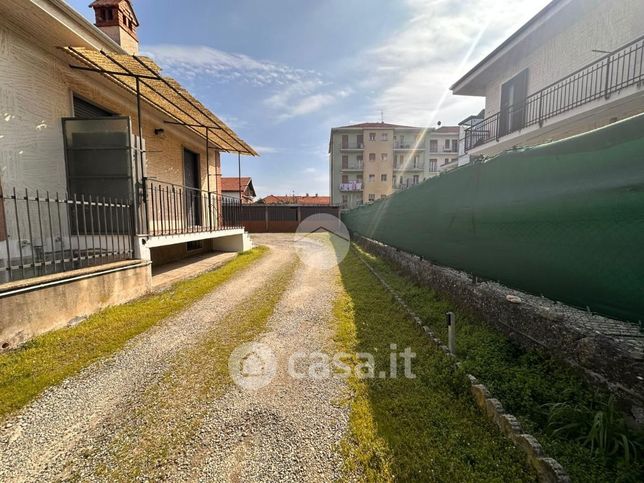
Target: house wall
[36,89]
[565,43]
[377,167]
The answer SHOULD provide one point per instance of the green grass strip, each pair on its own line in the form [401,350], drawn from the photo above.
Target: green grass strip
[526,382]
[50,358]
[172,411]
[422,429]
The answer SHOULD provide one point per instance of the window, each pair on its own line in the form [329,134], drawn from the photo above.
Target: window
[194,245]
[433,165]
[383,177]
[345,199]
[512,109]
[416,179]
[359,157]
[109,14]
[384,136]
[345,178]
[345,162]
[416,161]
[372,136]
[446,161]
[383,156]
[345,141]
[360,140]
[372,178]
[359,178]
[372,156]
[447,144]
[372,197]
[433,146]
[383,196]
[455,145]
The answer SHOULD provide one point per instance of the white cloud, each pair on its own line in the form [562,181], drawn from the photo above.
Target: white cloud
[192,61]
[297,92]
[415,67]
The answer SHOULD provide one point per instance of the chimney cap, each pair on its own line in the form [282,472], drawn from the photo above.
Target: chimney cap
[115,3]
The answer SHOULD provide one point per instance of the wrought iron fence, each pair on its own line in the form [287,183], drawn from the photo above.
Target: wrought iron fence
[608,75]
[45,233]
[174,210]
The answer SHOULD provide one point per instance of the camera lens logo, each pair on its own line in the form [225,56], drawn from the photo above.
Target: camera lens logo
[252,366]
[322,241]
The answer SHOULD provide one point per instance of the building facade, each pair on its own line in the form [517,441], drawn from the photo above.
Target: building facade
[576,66]
[107,167]
[236,188]
[370,161]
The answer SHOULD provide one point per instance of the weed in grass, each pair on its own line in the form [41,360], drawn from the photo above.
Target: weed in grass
[52,357]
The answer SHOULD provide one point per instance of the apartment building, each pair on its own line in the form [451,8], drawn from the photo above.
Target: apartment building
[575,66]
[369,161]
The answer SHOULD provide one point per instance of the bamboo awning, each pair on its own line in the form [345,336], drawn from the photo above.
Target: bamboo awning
[163,93]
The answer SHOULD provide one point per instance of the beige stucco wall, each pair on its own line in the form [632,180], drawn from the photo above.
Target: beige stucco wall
[44,308]
[565,43]
[417,138]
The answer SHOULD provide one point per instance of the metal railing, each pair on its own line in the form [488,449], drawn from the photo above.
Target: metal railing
[176,210]
[43,233]
[351,186]
[353,166]
[615,71]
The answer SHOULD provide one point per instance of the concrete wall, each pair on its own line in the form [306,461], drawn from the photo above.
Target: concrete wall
[32,307]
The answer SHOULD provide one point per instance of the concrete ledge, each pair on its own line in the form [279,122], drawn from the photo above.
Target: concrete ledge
[32,307]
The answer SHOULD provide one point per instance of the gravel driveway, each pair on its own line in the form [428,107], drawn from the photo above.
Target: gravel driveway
[288,430]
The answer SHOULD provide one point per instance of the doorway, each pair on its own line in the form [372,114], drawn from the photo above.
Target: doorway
[191,181]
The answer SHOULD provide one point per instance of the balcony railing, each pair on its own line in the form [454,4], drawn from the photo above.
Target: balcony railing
[610,74]
[353,166]
[176,210]
[406,145]
[352,186]
[42,233]
[352,146]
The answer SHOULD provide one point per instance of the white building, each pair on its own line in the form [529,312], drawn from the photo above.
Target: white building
[576,66]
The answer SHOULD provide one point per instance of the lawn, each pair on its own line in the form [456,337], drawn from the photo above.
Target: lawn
[576,424]
[52,357]
[422,429]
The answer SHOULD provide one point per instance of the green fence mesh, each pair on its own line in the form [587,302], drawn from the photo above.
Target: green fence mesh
[564,220]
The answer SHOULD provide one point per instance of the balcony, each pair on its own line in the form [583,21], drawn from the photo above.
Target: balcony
[351,186]
[180,210]
[420,166]
[352,147]
[610,74]
[409,147]
[353,167]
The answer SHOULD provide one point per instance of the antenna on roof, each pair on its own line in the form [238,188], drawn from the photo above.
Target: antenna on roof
[382,117]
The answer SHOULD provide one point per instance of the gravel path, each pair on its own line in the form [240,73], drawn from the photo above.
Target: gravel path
[288,430]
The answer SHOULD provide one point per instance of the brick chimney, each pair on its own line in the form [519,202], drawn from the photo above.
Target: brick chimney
[117,19]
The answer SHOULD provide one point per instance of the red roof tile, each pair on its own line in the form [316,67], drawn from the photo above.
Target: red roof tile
[296,200]
[232,184]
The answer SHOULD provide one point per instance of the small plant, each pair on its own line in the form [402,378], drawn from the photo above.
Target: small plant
[598,425]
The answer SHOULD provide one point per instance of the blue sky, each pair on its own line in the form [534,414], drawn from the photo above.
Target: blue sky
[283,72]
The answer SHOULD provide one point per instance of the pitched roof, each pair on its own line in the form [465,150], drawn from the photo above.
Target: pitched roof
[447,129]
[507,42]
[232,183]
[115,3]
[296,200]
